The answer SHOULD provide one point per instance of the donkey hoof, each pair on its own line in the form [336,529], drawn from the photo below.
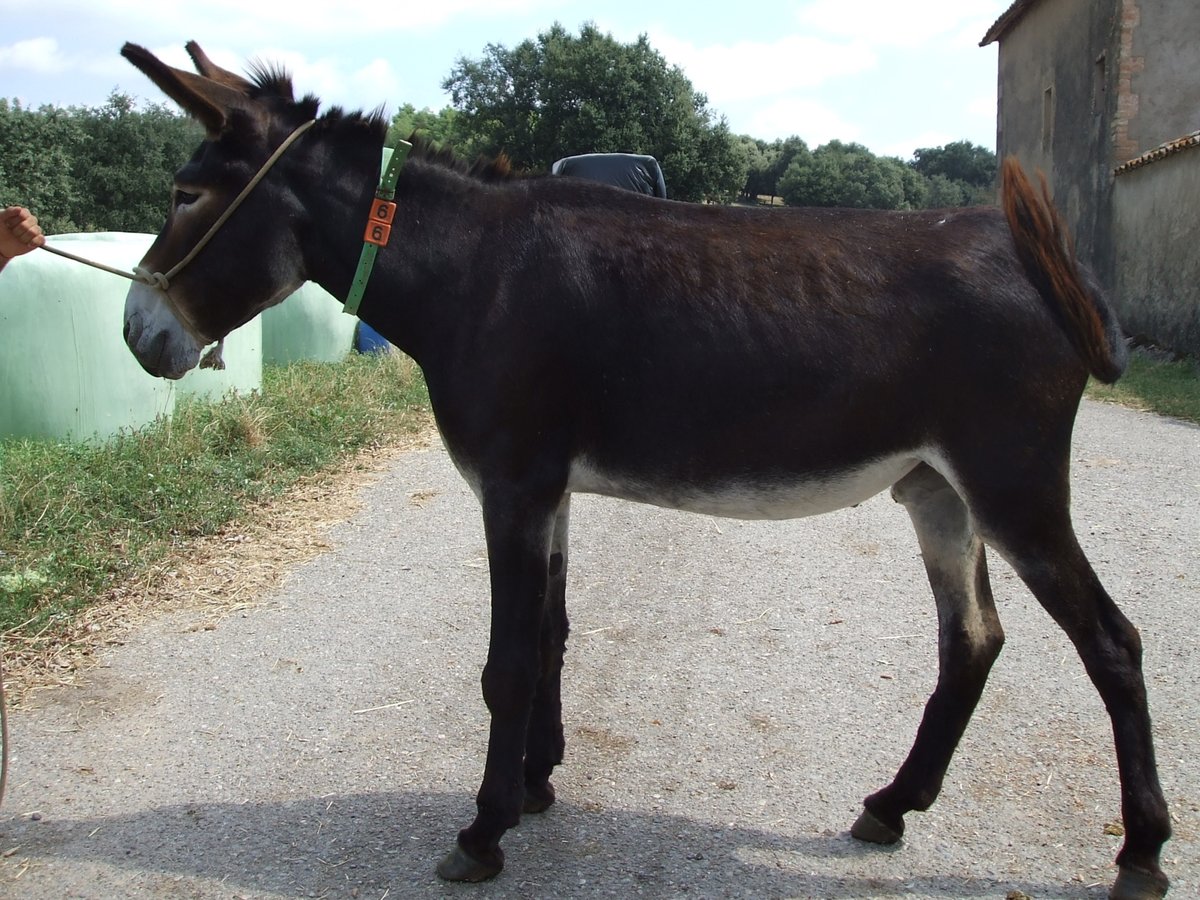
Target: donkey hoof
[871,829]
[458,866]
[1136,884]
[538,797]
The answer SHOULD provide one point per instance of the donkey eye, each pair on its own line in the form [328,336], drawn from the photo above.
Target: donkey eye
[183,198]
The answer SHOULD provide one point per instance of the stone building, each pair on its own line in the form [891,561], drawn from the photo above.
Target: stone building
[1104,97]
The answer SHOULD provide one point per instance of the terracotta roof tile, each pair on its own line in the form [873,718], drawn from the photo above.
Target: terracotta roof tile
[1162,151]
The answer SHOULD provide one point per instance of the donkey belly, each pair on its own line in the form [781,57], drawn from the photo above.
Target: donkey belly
[773,496]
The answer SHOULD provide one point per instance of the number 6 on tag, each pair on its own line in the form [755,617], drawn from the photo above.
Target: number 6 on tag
[379,227]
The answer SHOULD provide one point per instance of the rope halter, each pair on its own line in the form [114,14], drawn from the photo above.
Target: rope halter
[161,281]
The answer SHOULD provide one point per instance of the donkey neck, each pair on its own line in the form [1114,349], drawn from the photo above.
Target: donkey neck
[337,188]
[438,227]
[443,218]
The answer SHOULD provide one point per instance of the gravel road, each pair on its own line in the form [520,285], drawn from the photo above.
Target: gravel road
[733,690]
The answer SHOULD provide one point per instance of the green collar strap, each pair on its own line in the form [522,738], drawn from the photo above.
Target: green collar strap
[379,226]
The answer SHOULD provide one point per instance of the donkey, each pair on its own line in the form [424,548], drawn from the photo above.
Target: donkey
[736,362]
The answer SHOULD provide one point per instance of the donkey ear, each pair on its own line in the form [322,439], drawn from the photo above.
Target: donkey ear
[209,69]
[206,100]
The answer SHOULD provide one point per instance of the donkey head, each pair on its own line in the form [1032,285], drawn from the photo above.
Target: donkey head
[252,260]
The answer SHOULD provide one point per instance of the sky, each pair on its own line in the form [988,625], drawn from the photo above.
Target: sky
[892,75]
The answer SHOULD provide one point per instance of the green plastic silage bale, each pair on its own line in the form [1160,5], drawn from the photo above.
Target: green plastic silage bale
[308,325]
[65,372]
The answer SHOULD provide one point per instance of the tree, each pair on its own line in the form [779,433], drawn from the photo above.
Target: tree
[565,94]
[915,185]
[958,161]
[945,192]
[768,162]
[721,168]
[93,169]
[849,175]
[788,151]
[442,128]
[760,156]
[37,148]
[125,172]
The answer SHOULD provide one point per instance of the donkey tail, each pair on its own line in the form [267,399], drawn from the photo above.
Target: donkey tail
[1047,252]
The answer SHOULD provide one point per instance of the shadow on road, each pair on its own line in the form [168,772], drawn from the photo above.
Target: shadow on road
[371,845]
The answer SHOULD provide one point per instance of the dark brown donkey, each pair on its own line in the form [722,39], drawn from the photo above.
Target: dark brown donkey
[758,364]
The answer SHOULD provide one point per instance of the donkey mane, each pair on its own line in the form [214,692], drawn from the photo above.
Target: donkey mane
[335,118]
[271,81]
[484,169]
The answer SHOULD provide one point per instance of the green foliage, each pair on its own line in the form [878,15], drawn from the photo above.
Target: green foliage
[960,161]
[125,171]
[958,174]
[565,94]
[942,191]
[442,128]
[790,149]
[106,168]
[78,519]
[38,149]
[850,175]
[760,157]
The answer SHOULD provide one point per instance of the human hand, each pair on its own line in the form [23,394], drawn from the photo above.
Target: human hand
[19,233]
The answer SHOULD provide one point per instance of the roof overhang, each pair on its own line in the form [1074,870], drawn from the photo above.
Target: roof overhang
[1011,16]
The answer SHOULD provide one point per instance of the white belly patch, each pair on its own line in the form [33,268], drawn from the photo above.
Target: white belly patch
[763,498]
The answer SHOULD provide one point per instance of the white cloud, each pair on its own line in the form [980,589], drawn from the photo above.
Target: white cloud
[39,55]
[339,81]
[285,21]
[377,79]
[905,147]
[815,123]
[747,70]
[886,22]
[983,107]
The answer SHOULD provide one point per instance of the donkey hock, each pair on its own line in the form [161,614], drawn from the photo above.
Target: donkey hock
[759,364]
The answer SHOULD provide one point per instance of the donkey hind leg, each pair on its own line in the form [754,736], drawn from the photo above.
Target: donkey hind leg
[544,743]
[1048,558]
[518,525]
[969,640]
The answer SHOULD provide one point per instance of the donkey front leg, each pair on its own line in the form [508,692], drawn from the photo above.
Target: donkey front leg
[544,744]
[518,530]
[969,640]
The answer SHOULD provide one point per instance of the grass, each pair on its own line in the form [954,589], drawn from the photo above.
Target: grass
[1164,386]
[78,519]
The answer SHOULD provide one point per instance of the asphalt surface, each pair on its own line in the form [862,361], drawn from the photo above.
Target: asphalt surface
[733,690]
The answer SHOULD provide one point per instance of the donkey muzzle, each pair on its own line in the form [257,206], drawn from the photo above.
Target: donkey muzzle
[159,341]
